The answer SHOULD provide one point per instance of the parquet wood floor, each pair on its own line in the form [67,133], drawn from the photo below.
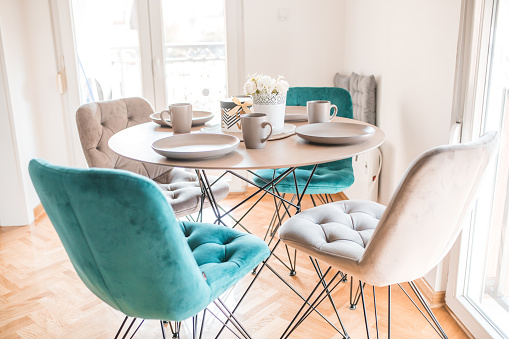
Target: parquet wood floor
[41,296]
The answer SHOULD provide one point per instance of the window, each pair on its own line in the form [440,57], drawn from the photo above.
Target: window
[478,292]
[185,53]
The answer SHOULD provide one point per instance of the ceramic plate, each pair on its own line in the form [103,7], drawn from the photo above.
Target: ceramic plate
[335,133]
[199,118]
[195,145]
[296,113]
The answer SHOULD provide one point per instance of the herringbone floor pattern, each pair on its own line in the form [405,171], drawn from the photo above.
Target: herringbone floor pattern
[41,296]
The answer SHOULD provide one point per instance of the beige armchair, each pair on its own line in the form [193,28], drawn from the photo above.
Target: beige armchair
[98,121]
[403,242]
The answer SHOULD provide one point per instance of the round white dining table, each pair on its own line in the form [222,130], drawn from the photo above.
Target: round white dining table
[291,152]
[136,143]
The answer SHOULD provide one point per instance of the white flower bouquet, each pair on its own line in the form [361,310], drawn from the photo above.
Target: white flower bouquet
[269,97]
[264,84]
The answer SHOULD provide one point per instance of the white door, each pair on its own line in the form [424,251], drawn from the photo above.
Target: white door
[166,51]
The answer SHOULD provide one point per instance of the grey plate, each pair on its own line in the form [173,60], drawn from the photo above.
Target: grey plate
[199,118]
[195,145]
[296,113]
[335,133]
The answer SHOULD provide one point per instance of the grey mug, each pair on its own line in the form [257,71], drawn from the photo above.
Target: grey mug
[253,129]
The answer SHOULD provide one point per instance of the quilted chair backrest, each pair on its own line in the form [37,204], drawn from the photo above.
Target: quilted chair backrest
[299,96]
[123,240]
[425,215]
[98,121]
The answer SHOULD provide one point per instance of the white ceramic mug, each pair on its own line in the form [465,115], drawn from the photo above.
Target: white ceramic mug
[253,129]
[181,117]
[319,111]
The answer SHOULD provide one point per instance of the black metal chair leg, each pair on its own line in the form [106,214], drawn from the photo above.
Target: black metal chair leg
[162,330]
[388,311]
[354,300]
[428,309]
[137,328]
[364,308]
[121,326]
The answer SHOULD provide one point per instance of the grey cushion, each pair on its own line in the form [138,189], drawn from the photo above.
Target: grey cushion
[363,92]
[98,121]
[416,230]
[333,231]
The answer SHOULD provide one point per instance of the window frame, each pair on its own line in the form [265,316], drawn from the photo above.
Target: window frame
[476,35]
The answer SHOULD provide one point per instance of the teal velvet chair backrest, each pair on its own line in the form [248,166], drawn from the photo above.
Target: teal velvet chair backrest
[123,240]
[329,178]
[299,96]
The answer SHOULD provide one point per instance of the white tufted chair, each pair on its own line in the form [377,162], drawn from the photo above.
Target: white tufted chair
[98,121]
[403,242]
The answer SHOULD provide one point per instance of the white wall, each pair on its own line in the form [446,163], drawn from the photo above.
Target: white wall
[410,46]
[306,48]
[16,212]
[37,114]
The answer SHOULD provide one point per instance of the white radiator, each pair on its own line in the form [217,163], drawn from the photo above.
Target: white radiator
[366,168]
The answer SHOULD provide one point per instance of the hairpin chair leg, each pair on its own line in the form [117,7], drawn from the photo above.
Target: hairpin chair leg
[354,300]
[433,322]
[249,287]
[312,306]
[128,328]
[388,311]
[440,331]
[162,330]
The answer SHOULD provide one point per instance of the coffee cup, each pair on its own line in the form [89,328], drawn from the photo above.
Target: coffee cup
[319,111]
[181,117]
[253,129]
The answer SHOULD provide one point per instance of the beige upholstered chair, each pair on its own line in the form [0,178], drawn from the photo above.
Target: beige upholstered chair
[386,246]
[98,121]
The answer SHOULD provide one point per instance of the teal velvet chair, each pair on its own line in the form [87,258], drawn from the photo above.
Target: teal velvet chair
[329,178]
[128,248]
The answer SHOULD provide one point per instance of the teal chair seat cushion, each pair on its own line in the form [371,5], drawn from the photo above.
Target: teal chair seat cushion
[224,255]
[330,179]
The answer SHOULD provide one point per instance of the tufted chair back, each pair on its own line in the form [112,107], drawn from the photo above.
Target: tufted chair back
[331,177]
[299,96]
[123,240]
[98,121]
[425,215]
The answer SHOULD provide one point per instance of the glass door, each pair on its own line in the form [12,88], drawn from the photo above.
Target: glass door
[487,286]
[194,40]
[107,48]
[164,50]
[479,293]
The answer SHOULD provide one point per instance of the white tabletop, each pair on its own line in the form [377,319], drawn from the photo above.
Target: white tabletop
[135,143]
